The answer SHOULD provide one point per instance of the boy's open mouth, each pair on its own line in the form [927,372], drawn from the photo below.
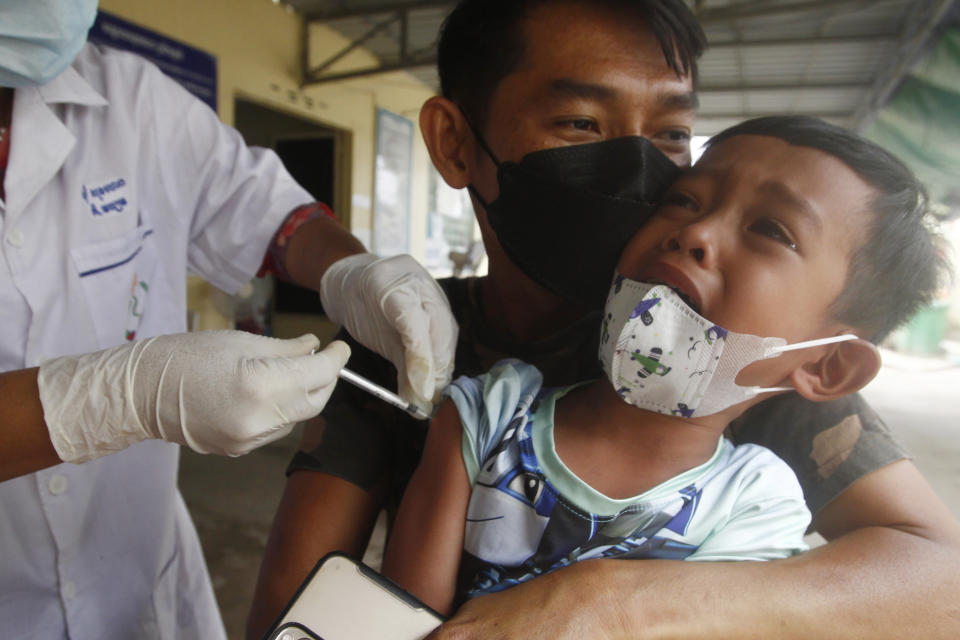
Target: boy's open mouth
[666,274]
[687,300]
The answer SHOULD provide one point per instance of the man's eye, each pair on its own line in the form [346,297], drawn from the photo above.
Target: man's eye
[677,135]
[773,230]
[678,199]
[580,124]
[673,137]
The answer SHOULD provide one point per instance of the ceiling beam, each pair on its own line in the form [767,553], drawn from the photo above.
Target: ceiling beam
[764,9]
[330,61]
[386,17]
[374,10]
[918,30]
[744,115]
[815,85]
[369,71]
[883,38]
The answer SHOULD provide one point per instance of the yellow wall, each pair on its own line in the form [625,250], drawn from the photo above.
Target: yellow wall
[257,46]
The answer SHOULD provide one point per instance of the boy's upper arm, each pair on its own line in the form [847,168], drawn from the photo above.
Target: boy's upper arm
[442,456]
[423,555]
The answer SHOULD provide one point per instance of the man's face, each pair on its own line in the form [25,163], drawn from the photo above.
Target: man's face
[587,75]
[757,237]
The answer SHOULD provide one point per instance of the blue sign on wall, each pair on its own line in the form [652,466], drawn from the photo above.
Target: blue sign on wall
[194,69]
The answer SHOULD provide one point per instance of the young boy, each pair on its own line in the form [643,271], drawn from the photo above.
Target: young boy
[762,265]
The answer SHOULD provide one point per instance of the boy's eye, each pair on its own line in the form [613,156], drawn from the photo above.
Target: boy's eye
[773,230]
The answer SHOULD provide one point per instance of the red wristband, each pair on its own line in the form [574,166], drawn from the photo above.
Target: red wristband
[275,261]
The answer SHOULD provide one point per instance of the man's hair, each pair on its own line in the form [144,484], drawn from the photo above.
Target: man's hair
[481,42]
[897,268]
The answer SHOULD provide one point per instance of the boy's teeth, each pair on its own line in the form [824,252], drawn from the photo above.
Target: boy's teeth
[686,299]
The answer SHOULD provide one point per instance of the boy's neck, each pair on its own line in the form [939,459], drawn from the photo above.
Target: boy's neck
[621,450]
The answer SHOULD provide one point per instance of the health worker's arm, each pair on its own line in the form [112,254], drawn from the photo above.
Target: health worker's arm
[24,440]
[423,554]
[390,305]
[223,392]
[891,569]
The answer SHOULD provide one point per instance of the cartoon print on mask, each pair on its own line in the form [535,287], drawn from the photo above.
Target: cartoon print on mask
[642,310]
[683,410]
[519,526]
[715,332]
[650,364]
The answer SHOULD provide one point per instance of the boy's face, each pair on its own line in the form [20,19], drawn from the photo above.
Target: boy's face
[586,75]
[758,237]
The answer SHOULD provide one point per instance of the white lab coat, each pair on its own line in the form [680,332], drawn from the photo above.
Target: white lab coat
[118,181]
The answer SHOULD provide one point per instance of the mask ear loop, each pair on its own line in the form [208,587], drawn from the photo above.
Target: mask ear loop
[771,351]
[812,343]
[476,134]
[483,145]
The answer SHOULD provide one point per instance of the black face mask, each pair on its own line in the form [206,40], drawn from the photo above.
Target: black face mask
[564,215]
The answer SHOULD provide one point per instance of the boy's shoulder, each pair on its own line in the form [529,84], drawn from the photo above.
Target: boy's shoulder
[754,470]
[504,379]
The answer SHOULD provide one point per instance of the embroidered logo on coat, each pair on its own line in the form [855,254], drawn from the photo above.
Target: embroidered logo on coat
[105,197]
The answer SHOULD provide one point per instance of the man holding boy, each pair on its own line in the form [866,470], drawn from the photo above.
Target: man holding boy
[734,289]
[527,76]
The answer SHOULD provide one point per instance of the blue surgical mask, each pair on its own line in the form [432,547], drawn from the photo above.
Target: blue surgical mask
[40,38]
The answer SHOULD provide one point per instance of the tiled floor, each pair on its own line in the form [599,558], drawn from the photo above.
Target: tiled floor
[233,500]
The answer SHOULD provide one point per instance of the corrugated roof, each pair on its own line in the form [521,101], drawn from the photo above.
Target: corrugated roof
[836,59]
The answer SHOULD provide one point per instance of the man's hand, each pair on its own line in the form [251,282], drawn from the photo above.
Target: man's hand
[555,606]
[225,392]
[393,306]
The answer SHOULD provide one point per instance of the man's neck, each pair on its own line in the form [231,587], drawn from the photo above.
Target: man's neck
[523,311]
[621,450]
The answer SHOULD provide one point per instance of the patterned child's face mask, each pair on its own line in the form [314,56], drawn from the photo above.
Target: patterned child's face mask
[662,356]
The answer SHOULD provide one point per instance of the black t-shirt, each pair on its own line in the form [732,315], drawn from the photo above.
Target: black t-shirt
[377,447]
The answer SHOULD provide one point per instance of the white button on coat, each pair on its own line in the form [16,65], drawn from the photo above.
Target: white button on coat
[15,238]
[57,485]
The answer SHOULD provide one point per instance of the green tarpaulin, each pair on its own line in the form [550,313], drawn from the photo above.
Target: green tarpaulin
[921,123]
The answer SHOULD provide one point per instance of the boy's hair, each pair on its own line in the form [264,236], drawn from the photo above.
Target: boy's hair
[897,268]
[481,42]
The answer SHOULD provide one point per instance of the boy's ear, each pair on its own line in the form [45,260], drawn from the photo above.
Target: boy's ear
[447,136]
[845,368]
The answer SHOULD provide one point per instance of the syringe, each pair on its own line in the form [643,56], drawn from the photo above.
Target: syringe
[383,394]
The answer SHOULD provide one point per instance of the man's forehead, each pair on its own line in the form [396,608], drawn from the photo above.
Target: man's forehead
[594,29]
[671,97]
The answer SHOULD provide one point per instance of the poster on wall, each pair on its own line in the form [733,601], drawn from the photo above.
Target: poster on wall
[195,70]
[391,184]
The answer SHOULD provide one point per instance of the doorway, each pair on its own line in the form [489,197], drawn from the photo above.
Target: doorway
[315,155]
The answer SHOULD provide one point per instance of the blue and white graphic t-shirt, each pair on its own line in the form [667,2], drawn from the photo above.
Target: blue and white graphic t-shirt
[529,514]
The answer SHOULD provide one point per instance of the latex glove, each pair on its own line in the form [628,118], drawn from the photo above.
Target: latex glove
[393,306]
[225,392]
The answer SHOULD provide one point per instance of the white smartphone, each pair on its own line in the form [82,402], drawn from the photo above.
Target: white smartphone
[343,599]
